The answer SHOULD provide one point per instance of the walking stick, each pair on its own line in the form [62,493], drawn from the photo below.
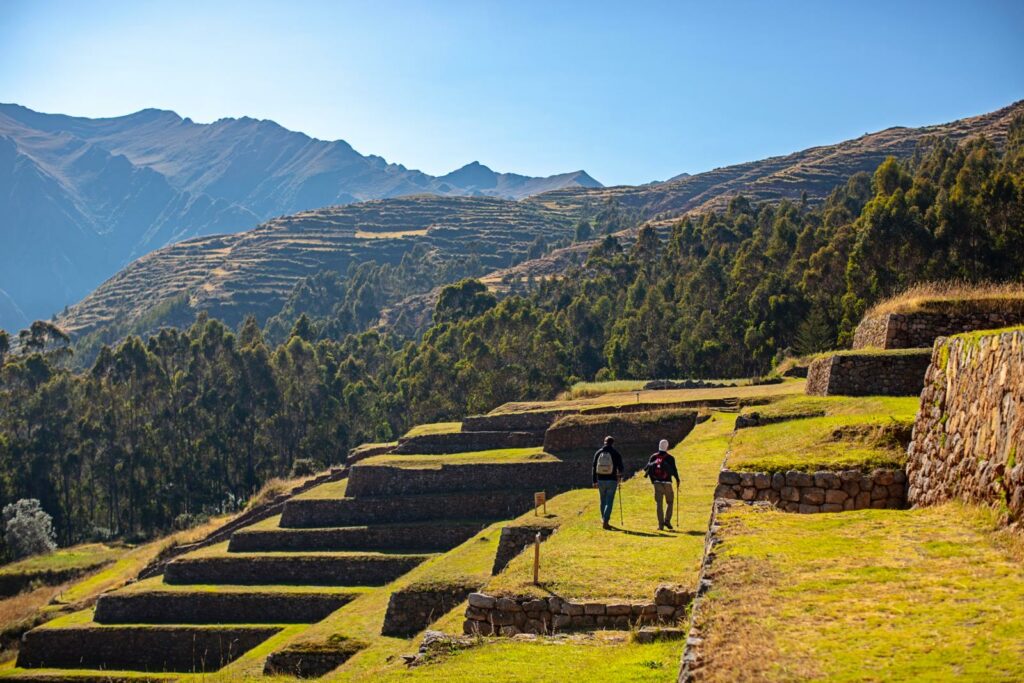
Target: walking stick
[621,522]
[677,504]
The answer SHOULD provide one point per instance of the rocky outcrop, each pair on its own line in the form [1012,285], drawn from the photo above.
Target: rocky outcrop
[899,373]
[508,616]
[920,329]
[968,441]
[811,492]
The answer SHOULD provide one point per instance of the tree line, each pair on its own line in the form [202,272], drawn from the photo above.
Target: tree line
[161,430]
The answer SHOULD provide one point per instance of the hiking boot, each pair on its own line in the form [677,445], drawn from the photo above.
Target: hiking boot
[606,525]
[667,525]
[661,528]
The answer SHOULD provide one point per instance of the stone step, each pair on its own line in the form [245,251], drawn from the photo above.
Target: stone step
[71,676]
[307,513]
[211,606]
[140,648]
[427,537]
[295,569]
[396,480]
[466,442]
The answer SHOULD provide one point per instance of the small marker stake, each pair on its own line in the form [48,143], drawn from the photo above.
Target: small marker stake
[540,499]
[536,559]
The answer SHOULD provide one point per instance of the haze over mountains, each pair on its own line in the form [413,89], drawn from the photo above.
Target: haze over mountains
[81,198]
[254,272]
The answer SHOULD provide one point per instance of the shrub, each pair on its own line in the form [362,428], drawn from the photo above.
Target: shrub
[303,467]
[28,529]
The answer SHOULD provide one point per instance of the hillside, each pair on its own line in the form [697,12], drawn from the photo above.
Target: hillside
[252,274]
[234,275]
[81,198]
[816,170]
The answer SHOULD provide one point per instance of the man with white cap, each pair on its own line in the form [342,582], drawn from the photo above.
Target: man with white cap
[661,469]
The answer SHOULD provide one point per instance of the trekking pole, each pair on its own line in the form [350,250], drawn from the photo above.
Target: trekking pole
[677,504]
[621,522]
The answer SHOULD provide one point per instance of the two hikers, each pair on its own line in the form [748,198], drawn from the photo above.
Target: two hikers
[660,468]
[607,476]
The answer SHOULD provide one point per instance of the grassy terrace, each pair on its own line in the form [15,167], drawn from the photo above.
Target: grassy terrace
[434,428]
[590,389]
[501,456]
[925,595]
[845,433]
[790,386]
[930,296]
[79,557]
[584,561]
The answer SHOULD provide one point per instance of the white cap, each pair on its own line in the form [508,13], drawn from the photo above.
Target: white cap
[663,445]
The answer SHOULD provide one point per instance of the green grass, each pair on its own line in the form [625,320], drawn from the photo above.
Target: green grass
[610,657]
[333,489]
[845,441]
[583,561]
[760,391]
[80,557]
[870,407]
[591,389]
[434,428]
[498,456]
[932,594]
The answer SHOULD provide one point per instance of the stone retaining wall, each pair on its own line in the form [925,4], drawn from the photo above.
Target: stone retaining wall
[312,659]
[968,441]
[810,492]
[499,616]
[206,607]
[636,435]
[311,570]
[465,442]
[490,505]
[410,537]
[535,422]
[868,374]
[514,539]
[920,329]
[386,480]
[412,609]
[154,648]
[12,584]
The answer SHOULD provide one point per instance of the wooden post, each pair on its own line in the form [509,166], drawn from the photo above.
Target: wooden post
[536,559]
[540,499]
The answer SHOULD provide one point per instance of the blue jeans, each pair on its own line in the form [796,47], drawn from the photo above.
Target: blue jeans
[607,491]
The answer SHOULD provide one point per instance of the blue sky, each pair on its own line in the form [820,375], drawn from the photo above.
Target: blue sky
[629,93]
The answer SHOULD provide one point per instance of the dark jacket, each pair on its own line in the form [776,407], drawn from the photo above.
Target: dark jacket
[669,465]
[616,461]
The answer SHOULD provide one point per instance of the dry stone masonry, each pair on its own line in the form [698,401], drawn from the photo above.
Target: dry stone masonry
[514,539]
[489,615]
[412,609]
[898,373]
[920,329]
[812,492]
[636,434]
[968,441]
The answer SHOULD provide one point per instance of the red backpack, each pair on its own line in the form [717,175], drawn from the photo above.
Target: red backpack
[658,469]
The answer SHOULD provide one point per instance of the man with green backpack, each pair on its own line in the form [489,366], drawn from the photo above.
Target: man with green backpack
[607,477]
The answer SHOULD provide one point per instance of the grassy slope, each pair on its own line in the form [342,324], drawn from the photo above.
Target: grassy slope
[80,557]
[434,428]
[811,444]
[584,561]
[500,456]
[929,594]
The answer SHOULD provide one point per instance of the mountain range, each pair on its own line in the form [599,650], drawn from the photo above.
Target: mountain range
[81,198]
[253,272]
